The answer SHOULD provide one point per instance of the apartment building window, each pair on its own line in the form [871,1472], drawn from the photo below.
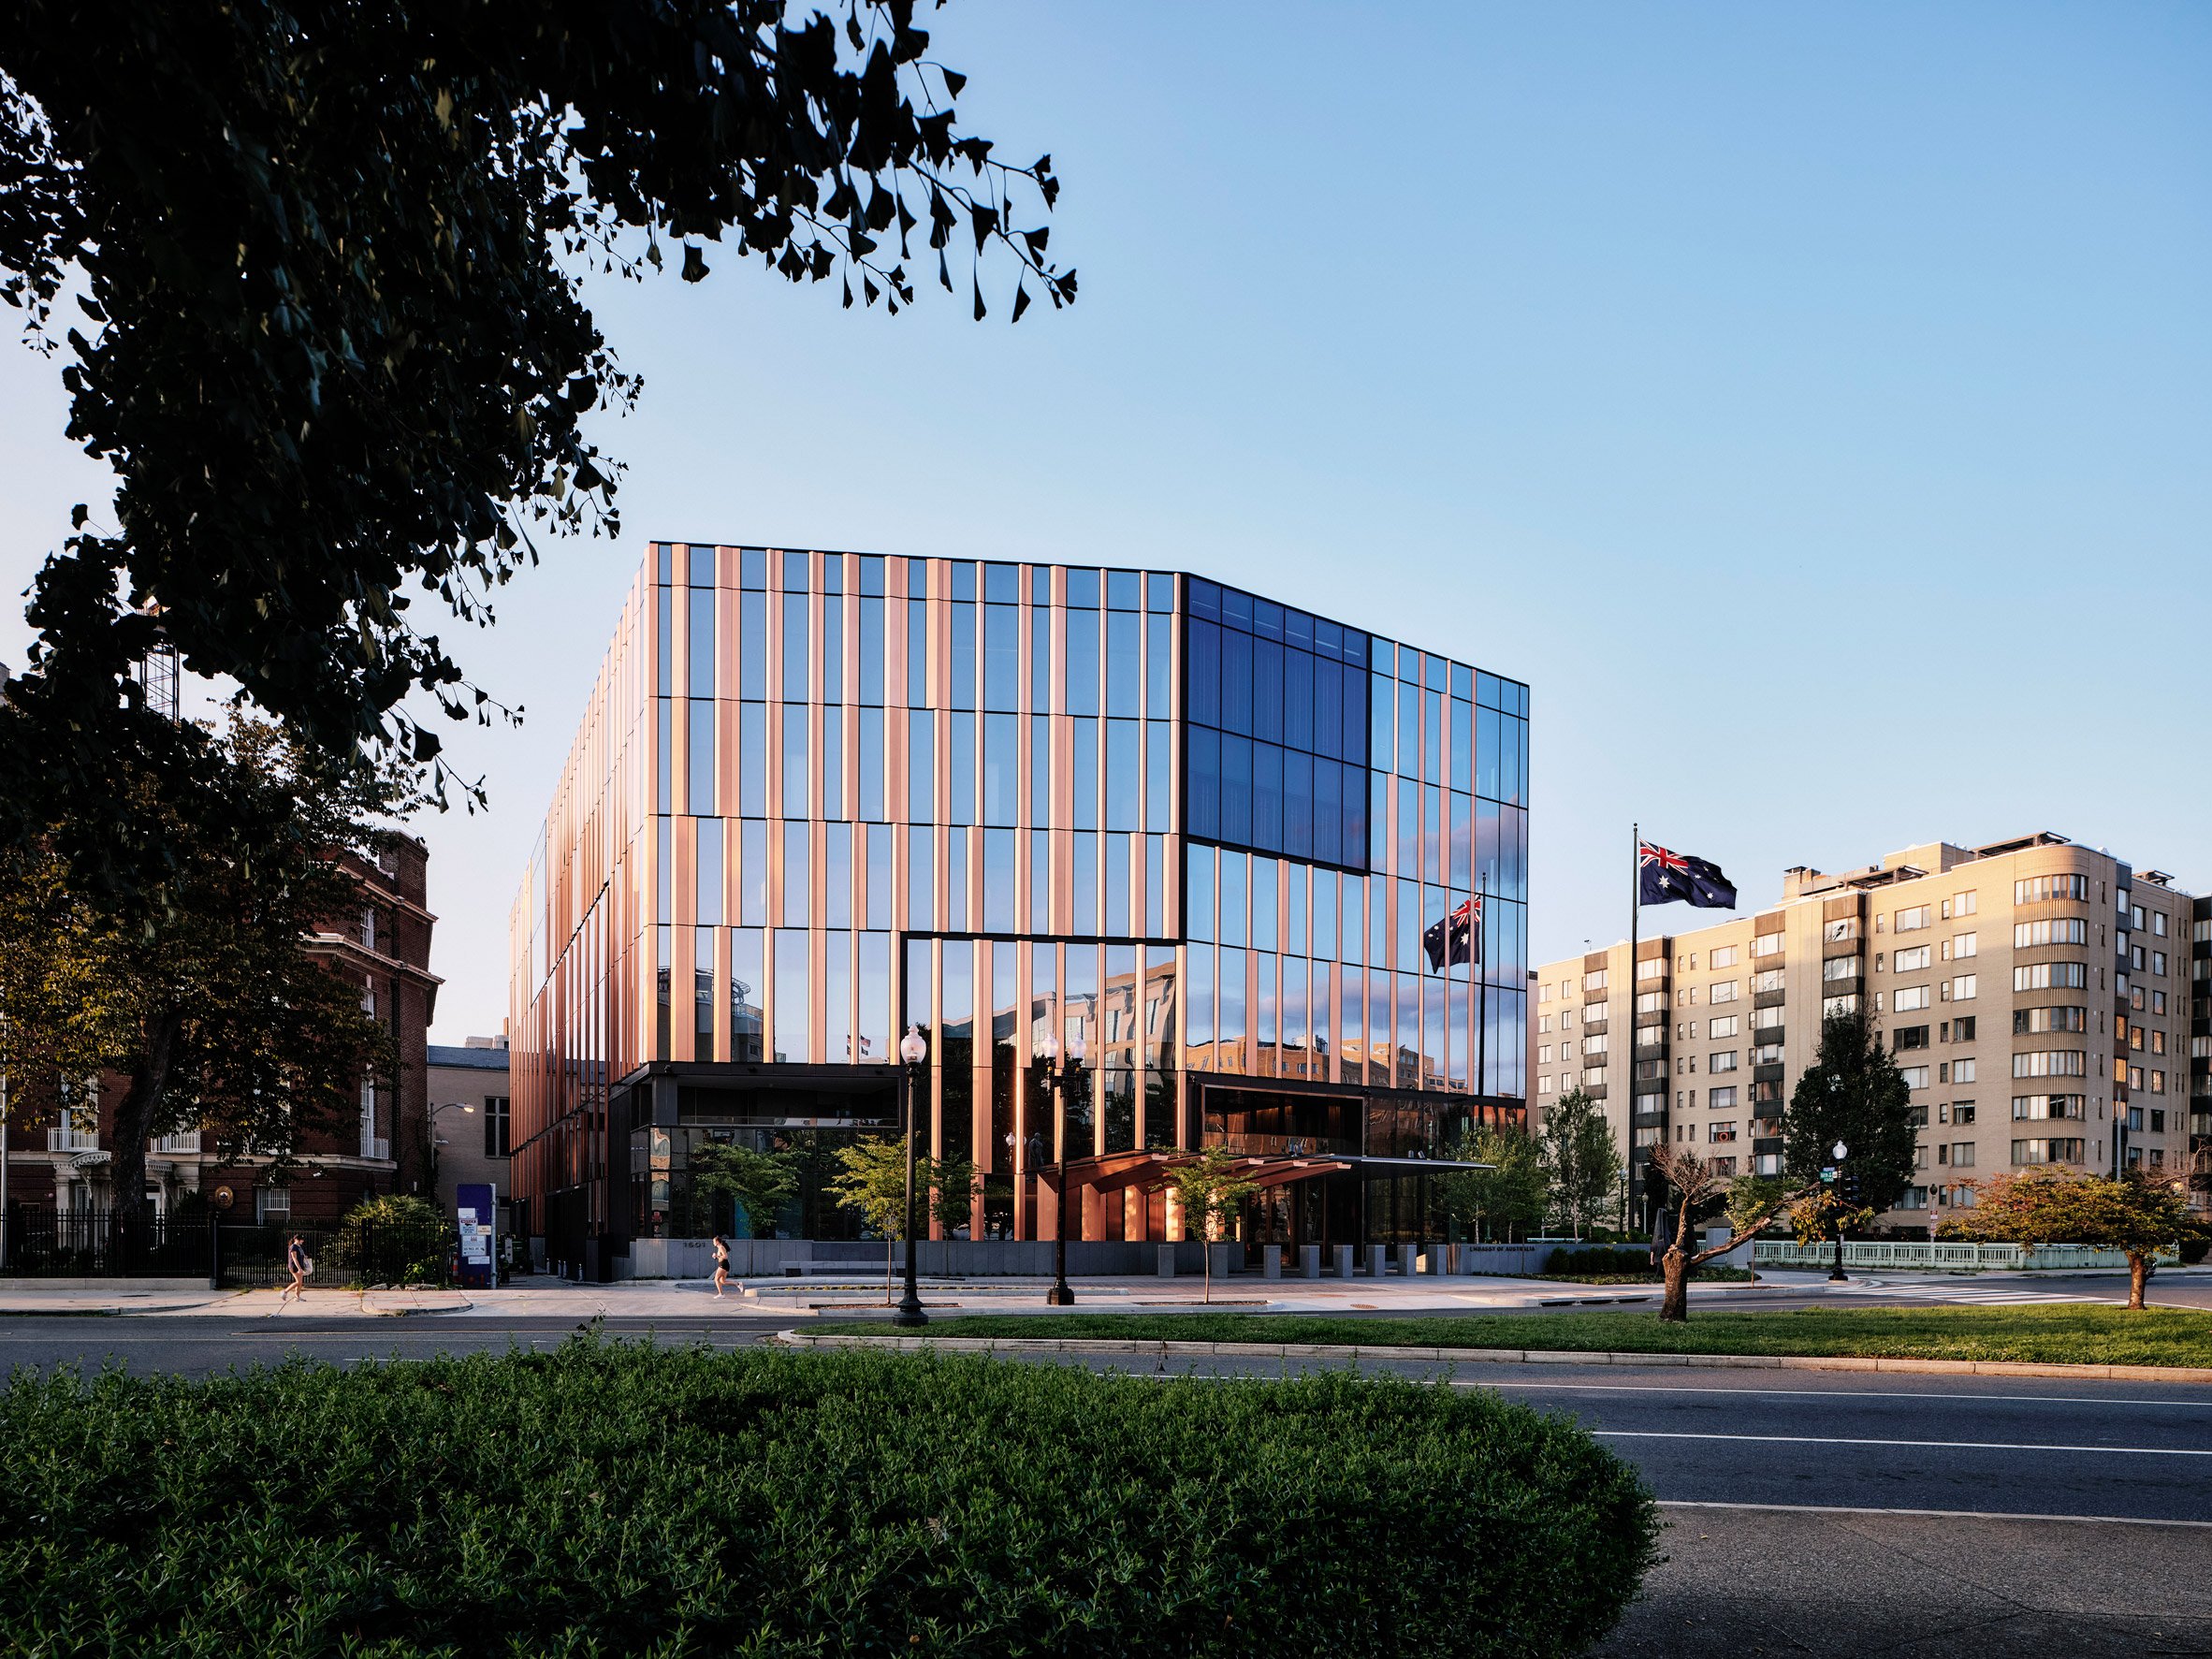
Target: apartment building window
[2158,1120]
[1725,1027]
[1831,1006]
[1593,981]
[1910,961]
[2036,890]
[1961,945]
[2158,1043]
[1909,999]
[1655,969]
[2028,1021]
[1724,1166]
[2135,957]
[1771,980]
[2031,1108]
[272,1204]
[1595,1074]
[1916,1077]
[1722,1062]
[1841,967]
[1651,1002]
[2051,1062]
[1722,1100]
[1544,1083]
[1597,1042]
[1959,1155]
[1962,1071]
[1544,1054]
[1724,992]
[2051,930]
[2050,976]
[2052,1151]
[1566,1020]
[1766,1163]
[1909,1037]
[1961,987]
[1686,997]
[1959,904]
[2158,1081]
[1766,944]
[1911,921]
[2158,924]
[1837,931]
[2158,964]
[2157,1002]
[1915,1197]
[495,1125]
[1724,956]
[1766,1053]
[1544,1025]
[1720,1134]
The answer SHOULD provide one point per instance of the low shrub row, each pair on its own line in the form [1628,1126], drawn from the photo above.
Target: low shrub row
[607,1498]
[1599,1259]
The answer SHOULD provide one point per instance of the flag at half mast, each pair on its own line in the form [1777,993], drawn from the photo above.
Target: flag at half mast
[1664,877]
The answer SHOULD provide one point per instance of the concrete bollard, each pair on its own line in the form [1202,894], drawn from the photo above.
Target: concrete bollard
[1435,1253]
[1343,1262]
[1309,1262]
[1270,1262]
[1222,1257]
[1409,1260]
[1377,1261]
[1166,1262]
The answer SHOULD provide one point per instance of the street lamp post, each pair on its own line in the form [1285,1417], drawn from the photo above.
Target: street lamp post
[1836,1273]
[914,1051]
[1055,1079]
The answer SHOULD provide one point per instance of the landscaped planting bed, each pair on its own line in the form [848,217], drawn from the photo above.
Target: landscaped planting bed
[607,1498]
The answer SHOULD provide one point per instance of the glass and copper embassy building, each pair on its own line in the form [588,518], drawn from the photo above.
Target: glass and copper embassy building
[1266,873]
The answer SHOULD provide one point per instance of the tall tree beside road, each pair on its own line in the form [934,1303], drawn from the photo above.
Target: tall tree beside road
[211,1007]
[1854,1093]
[2138,1213]
[330,260]
[758,1182]
[1509,1195]
[1696,1191]
[1580,1158]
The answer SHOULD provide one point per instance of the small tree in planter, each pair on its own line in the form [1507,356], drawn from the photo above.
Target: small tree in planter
[1698,1191]
[759,1182]
[1209,1187]
[1580,1158]
[1505,1192]
[2138,1213]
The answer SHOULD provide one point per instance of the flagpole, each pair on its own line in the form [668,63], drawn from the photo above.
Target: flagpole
[1636,899]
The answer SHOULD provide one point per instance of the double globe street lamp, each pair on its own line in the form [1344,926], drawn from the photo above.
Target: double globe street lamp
[1054,1078]
[1839,1152]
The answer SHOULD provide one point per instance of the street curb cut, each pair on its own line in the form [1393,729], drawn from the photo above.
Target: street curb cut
[1300,1350]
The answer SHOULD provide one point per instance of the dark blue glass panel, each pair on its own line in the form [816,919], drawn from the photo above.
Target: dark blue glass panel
[1486,752]
[1382,656]
[1432,737]
[1205,600]
[1124,591]
[1409,730]
[753,568]
[963,581]
[917,578]
[1267,690]
[833,572]
[1267,795]
[1040,584]
[1003,584]
[1378,820]
[1236,609]
[1354,780]
[1236,682]
[1512,754]
[1202,806]
[1159,592]
[871,651]
[1159,663]
[1041,660]
[1382,731]
[1298,700]
[700,681]
[1351,746]
[1489,874]
[1462,851]
[1084,762]
[1298,630]
[1298,804]
[1328,811]
[1328,695]
[1267,618]
[1000,767]
[962,689]
[1236,790]
[871,576]
[1486,689]
[1463,745]
[794,572]
[665,555]
[1462,681]
[1328,637]
[1434,669]
[1202,672]
[1159,763]
[1083,588]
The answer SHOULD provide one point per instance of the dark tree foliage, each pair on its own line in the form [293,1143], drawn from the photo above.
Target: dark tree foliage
[332,339]
[1854,1093]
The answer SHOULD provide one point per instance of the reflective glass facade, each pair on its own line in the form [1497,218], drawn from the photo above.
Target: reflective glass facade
[1195,836]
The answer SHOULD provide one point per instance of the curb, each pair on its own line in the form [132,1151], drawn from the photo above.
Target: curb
[1299,1350]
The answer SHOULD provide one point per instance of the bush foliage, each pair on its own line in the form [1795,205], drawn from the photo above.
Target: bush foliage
[610,1499]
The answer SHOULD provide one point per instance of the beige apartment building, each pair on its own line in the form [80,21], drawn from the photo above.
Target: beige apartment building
[2036,994]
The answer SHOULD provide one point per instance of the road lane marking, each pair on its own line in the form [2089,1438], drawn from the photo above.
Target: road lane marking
[1465,1382]
[2143,1451]
[1935,1514]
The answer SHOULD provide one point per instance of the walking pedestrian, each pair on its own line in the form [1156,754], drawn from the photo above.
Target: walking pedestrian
[296,1260]
[722,1264]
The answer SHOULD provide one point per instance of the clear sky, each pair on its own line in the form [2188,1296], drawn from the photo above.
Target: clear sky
[1813,403]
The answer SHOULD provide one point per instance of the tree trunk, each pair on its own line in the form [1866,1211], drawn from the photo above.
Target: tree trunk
[1206,1263]
[2138,1276]
[890,1265]
[135,1115]
[1674,1304]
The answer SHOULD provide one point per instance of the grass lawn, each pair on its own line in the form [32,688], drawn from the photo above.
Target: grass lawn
[2051,1333]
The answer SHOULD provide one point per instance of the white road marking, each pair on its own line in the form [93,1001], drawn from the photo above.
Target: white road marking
[2144,1451]
[1820,1393]
[1937,1514]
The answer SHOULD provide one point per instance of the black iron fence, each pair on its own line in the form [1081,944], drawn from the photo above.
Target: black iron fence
[91,1244]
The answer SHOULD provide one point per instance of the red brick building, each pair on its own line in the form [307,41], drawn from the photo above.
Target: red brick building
[384,946]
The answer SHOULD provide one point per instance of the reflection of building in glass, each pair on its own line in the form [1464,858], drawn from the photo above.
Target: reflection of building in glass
[1266,873]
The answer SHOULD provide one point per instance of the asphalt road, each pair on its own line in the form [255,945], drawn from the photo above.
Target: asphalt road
[1811,1513]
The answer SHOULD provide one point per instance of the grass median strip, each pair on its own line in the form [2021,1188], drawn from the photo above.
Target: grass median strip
[2078,1333]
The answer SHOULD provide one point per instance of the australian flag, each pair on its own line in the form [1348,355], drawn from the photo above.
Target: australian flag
[1664,877]
[1452,939]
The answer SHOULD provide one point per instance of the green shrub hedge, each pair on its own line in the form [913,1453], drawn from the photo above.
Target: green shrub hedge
[607,1498]
[1599,1259]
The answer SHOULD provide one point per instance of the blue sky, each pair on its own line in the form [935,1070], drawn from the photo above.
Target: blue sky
[1814,404]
